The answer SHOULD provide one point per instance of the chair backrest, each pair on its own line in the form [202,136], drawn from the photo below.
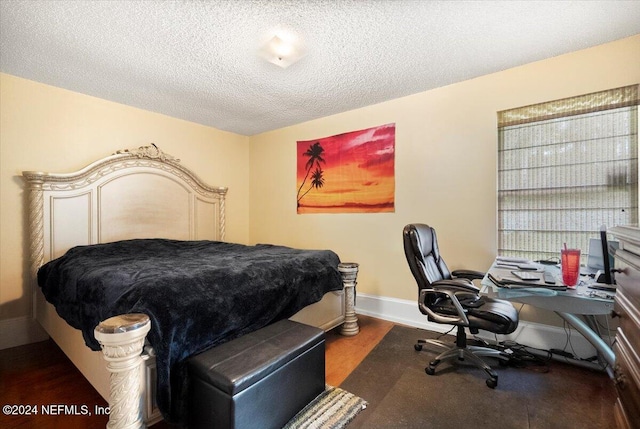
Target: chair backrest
[423,256]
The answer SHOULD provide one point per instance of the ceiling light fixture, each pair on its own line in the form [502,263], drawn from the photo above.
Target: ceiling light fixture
[282,52]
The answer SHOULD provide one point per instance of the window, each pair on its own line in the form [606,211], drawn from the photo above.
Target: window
[565,168]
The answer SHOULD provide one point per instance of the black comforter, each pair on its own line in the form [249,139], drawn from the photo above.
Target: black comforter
[197,294]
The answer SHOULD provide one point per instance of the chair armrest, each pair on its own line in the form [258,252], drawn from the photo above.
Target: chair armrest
[461,319]
[468,274]
[456,285]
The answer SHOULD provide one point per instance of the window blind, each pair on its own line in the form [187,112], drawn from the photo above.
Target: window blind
[565,168]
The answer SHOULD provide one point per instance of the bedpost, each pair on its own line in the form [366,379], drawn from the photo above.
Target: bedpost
[122,340]
[223,220]
[349,272]
[36,230]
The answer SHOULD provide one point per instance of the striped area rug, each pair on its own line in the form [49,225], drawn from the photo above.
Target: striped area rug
[332,409]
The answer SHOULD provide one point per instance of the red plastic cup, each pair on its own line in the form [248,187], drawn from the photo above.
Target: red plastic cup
[570,259]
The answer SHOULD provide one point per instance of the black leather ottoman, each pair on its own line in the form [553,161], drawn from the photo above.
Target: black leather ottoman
[260,380]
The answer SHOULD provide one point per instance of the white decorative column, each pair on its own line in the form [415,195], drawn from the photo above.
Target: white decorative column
[36,230]
[349,272]
[122,341]
[223,219]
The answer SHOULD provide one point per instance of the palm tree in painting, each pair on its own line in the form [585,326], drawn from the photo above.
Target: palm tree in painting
[317,181]
[314,153]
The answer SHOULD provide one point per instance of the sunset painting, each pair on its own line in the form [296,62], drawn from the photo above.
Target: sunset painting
[347,173]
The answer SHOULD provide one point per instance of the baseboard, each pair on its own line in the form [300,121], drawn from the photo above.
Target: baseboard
[24,330]
[531,334]
[20,331]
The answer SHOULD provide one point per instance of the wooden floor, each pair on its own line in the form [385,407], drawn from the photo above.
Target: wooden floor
[39,377]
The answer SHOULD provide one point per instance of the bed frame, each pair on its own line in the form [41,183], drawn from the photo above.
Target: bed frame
[138,193]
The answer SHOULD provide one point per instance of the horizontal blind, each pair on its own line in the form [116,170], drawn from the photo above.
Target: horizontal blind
[564,169]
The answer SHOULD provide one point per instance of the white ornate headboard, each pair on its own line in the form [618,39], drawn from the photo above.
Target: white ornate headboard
[138,193]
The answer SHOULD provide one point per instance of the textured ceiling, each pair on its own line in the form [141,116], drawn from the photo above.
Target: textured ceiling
[198,60]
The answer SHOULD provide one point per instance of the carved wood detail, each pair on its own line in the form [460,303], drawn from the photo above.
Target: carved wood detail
[122,352]
[36,234]
[124,159]
[152,151]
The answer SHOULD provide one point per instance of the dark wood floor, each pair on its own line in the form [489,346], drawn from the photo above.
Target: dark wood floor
[39,374]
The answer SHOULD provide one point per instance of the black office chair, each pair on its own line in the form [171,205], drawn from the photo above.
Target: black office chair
[451,298]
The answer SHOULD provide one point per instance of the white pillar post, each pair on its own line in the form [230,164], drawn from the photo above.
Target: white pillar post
[36,230]
[349,272]
[122,340]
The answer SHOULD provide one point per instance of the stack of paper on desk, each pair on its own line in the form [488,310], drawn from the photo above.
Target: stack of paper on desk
[514,283]
[519,263]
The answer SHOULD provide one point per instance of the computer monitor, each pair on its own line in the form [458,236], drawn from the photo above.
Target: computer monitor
[600,259]
[605,255]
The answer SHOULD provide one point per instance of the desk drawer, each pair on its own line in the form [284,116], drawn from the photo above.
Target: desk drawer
[629,319]
[627,377]
[628,278]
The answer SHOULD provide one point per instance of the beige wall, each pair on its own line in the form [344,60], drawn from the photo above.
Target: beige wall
[50,129]
[445,164]
[446,145]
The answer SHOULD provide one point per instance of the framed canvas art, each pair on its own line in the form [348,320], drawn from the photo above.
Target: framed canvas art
[352,172]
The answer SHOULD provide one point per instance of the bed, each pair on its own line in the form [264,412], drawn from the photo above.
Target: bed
[143,196]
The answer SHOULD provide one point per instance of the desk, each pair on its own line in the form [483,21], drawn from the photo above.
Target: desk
[575,306]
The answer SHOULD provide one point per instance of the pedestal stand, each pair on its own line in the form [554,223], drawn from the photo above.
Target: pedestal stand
[122,340]
[349,271]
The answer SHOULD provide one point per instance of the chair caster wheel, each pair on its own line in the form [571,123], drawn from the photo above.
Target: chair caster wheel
[429,370]
[418,347]
[492,382]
